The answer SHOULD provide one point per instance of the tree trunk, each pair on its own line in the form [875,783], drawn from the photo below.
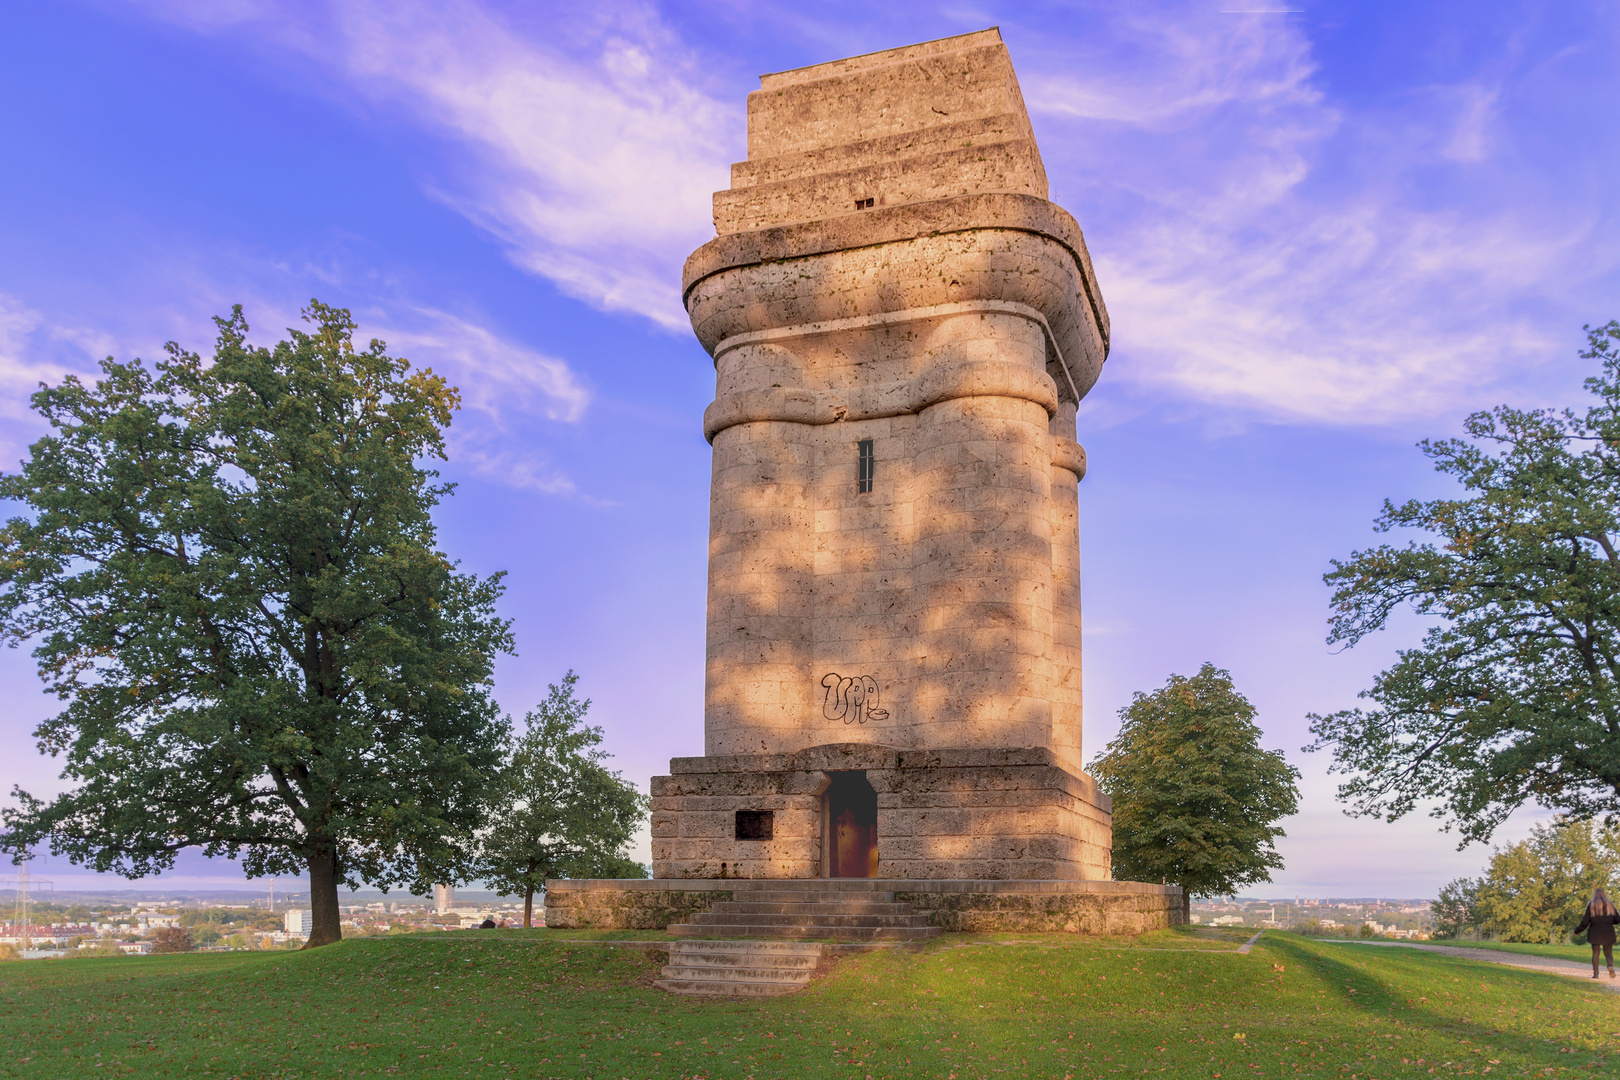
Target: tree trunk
[326,924]
[528,907]
[1186,907]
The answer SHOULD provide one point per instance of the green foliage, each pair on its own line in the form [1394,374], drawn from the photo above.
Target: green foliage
[1195,797]
[1456,910]
[230,573]
[1536,890]
[1514,696]
[103,949]
[561,813]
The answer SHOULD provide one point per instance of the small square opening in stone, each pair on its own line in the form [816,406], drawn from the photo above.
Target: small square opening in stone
[755,824]
[864,204]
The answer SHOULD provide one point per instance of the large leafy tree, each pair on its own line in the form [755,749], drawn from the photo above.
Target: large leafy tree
[1456,909]
[231,576]
[1195,797]
[561,812]
[1514,696]
[1534,890]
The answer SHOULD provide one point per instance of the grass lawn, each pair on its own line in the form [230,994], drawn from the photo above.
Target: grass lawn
[533,1004]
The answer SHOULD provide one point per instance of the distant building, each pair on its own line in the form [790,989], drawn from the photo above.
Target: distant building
[299,923]
[444,898]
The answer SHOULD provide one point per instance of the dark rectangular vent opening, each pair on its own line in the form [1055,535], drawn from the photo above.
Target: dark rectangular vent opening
[865,204]
[868,466]
[755,824]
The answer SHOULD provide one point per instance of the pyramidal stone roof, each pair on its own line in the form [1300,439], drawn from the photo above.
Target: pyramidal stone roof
[931,121]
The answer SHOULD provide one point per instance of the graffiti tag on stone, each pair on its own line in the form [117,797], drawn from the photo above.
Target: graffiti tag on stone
[852,700]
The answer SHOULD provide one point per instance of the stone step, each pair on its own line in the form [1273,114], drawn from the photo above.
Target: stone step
[726,988]
[807,896]
[739,968]
[801,932]
[811,883]
[825,886]
[782,949]
[743,957]
[738,973]
[812,919]
[853,907]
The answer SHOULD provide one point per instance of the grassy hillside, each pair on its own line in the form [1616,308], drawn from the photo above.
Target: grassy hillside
[529,1005]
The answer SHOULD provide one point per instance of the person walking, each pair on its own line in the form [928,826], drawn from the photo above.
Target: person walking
[1599,922]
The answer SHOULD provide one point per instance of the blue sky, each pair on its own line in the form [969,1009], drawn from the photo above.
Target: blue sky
[1323,234]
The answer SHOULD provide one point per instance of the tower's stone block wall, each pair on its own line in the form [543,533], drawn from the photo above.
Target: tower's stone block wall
[902,327]
[988,814]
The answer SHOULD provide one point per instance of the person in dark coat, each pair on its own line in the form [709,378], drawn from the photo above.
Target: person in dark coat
[1599,922]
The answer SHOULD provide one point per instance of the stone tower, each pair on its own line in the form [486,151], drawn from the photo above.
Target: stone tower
[902,326]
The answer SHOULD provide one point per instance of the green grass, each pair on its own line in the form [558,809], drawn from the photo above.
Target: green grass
[531,1005]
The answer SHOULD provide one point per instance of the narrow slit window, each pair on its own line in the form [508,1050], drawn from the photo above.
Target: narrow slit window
[868,464]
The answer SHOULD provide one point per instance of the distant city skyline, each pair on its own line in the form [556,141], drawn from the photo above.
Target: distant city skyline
[1322,235]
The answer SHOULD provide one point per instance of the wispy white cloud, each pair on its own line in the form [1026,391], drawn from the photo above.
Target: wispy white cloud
[1265,246]
[494,375]
[1271,250]
[509,392]
[590,152]
[34,351]
[507,389]
[504,388]
[1471,139]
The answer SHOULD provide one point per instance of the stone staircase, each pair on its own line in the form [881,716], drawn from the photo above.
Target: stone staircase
[807,919]
[739,968]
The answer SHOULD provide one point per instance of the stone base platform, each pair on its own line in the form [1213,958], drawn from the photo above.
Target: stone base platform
[940,813]
[1112,908]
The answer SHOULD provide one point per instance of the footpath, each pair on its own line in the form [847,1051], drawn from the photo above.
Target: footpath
[1550,964]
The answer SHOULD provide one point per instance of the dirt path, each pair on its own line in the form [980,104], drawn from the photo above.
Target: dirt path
[1550,964]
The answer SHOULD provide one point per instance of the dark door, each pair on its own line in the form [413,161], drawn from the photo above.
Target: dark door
[851,809]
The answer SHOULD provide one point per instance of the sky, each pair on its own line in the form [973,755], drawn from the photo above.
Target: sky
[1324,231]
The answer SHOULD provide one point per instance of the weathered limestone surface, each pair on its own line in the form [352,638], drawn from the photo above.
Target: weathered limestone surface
[963,813]
[1114,908]
[1117,908]
[613,904]
[890,286]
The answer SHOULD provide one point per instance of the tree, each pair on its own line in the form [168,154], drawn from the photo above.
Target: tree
[171,939]
[562,813]
[1456,910]
[1536,889]
[102,948]
[231,574]
[1194,795]
[1514,697]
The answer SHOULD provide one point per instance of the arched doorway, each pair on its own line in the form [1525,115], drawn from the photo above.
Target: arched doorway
[849,809]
